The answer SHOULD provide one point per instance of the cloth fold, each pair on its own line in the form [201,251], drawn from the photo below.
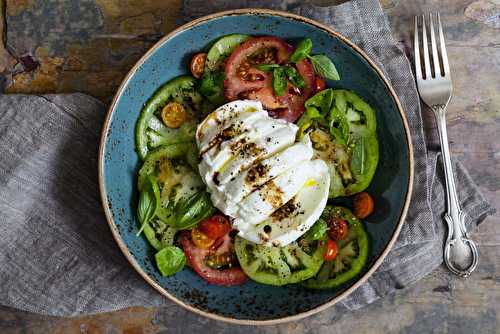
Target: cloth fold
[58,256]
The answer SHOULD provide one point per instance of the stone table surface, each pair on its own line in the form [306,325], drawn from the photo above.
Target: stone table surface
[89,45]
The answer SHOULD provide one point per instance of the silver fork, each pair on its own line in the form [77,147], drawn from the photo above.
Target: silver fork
[435,88]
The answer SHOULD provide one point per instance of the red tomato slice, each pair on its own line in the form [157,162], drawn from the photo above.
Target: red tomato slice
[197,257]
[215,227]
[243,80]
[241,76]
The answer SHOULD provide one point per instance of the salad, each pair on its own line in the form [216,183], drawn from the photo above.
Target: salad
[242,161]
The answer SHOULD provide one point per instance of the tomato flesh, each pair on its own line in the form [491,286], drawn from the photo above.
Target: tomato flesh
[197,258]
[197,65]
[215,227]
[320,84]
[338,229]
[200,240]
[331,250]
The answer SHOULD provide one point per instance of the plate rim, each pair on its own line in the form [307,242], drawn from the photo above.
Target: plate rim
[104,198]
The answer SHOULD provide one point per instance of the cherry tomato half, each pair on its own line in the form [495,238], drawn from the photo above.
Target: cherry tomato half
[173,115]
[197,65]
[331,250]
[363,205]
[320,84]
[200,239]
[215,227]
[338,229]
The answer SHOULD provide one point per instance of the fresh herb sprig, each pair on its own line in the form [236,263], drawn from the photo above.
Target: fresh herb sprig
[149,201]
[322,65]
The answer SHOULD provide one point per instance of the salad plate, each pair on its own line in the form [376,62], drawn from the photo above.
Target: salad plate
[255,166]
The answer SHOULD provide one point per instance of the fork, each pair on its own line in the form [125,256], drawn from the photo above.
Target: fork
[435,88]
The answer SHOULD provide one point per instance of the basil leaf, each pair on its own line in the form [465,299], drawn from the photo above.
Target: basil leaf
[294,77]
[193,210]
[149,201]
[322,100]
[279,81]
[317,231]
[312,112]
[324,67]
[302,51]
[266,67]
[170,260]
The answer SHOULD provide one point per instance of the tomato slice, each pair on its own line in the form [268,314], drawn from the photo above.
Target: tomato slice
[241,76]
[197,258]
[243,80]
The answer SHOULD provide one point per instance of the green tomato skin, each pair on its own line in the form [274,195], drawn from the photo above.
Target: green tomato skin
[159,99]
[356,227]
[222,48]
[273,278]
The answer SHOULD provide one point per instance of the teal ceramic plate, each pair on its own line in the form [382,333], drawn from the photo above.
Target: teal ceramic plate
[251,303]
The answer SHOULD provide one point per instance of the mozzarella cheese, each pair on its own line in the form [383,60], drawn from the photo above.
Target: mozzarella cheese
[259,175]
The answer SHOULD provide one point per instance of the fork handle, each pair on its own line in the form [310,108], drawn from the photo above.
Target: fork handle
[460,252]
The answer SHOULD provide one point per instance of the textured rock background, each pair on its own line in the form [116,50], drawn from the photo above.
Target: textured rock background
[89,45]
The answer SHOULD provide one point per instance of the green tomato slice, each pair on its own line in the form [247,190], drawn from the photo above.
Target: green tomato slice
[151,133]
[343,131]
[351,258]
[280,265]
[212,81]
[221,49]
[183,201]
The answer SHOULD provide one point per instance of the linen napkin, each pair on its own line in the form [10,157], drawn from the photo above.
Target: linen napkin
[58,256]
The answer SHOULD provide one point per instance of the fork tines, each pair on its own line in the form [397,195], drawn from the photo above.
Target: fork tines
[439,60]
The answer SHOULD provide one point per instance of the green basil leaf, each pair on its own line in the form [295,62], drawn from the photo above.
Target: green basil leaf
[294,77]
[149,201]
[279,81]
[324,67]
[312,112]
[317,231]
[322,100]
[302,51]
[193,210]
[266,67]
[170,260]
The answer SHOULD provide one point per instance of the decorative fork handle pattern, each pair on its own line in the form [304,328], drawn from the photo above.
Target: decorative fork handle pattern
[460,252]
